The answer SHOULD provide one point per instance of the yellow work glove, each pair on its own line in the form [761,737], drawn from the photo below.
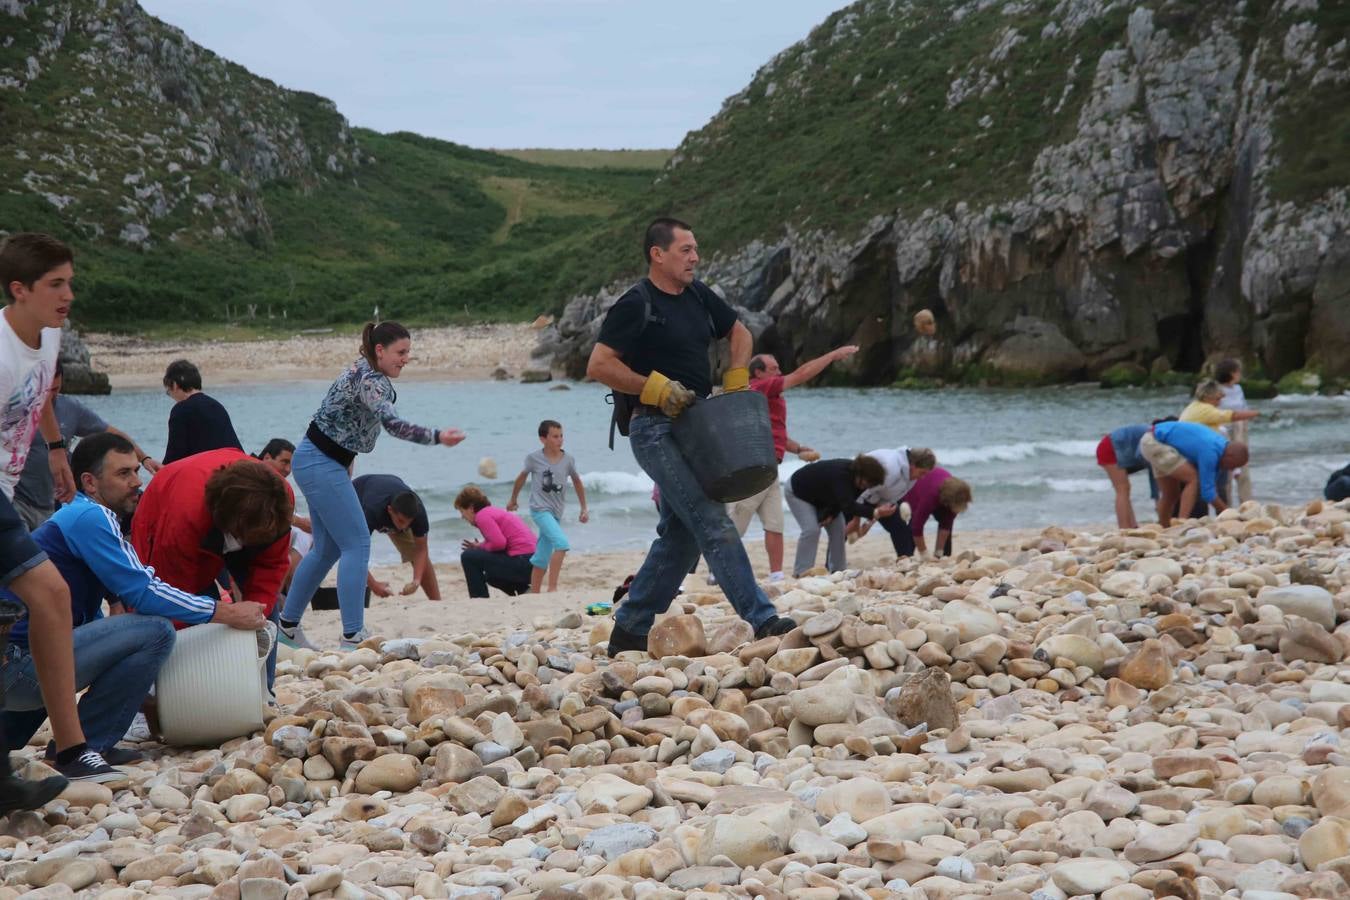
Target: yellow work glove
[670,397]
[737,379]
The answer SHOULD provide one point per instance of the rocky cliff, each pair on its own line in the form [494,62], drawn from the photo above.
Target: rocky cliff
[1068,185]
[134,134]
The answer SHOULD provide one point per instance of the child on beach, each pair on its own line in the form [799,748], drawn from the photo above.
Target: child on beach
[1228,373]
[547,467]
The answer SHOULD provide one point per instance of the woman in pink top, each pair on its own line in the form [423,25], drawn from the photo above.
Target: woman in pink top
[936,494]
[502,558]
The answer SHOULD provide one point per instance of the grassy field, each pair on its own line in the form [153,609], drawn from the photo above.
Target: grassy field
[592,159]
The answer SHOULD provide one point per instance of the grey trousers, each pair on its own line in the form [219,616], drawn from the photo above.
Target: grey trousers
[808,520]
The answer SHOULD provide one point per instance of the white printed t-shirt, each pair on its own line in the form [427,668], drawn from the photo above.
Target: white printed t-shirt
[26,375]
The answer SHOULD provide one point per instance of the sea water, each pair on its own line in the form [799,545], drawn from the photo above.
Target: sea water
[1029,455]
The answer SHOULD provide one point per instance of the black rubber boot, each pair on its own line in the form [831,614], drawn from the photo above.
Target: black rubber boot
[621,640]
[775,626]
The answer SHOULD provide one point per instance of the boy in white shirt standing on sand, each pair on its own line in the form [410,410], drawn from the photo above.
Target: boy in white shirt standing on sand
[547,467]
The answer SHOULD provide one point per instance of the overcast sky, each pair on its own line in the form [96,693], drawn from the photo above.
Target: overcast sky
[508,73]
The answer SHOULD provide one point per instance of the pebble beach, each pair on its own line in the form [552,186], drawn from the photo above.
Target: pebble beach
[1059,714]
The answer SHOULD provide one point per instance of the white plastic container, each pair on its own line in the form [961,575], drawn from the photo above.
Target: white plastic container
[213,687]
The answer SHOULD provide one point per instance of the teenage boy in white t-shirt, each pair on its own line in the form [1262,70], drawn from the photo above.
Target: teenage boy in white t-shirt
[35,273]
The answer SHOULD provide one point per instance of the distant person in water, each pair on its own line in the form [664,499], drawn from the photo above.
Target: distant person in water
[502,558]
[347,423]
[1118,454]
[1228,373]
[1186,458]
[767,377]
[197,422]
[548,469]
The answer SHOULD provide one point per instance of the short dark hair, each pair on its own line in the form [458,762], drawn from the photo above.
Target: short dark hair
[1226,369]
[406,504]
[472,497]
[248,500]
[91,452]
[659,234]
[548,425]
[275,447]
[868,468]
[183,375]
[757,364]
[27,256]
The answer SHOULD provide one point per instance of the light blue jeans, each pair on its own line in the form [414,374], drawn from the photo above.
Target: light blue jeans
[117,658]
[341,538]
[551,538]
[690,525]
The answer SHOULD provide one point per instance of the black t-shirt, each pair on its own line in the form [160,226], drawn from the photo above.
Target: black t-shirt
[828,486]
[196,425]
[376,492]
[675,341]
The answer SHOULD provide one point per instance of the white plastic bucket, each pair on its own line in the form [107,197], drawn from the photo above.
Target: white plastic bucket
[213,687]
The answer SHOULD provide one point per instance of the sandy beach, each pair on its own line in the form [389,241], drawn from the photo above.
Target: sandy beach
[462,352]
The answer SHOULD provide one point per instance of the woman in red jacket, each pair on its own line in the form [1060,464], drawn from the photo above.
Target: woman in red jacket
[217,510]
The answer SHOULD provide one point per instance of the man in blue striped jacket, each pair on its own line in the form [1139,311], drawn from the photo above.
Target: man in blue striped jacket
[117,656]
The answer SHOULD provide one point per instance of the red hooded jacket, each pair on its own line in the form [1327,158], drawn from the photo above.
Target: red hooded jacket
[173,532]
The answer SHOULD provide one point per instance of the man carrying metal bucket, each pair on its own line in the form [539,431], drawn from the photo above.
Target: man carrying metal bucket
[653,352]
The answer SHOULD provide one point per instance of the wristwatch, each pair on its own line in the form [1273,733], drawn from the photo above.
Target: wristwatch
[57,445]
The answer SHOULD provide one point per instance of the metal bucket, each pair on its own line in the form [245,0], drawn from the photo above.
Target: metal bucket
[728,443]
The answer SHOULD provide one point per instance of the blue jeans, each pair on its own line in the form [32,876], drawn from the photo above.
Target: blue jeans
[341,537]
[117,658]
[551,538]
[691,525]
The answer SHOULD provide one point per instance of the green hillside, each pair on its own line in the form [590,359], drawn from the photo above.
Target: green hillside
[427,230]
[196,191]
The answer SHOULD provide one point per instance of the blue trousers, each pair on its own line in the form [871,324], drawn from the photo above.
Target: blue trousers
[117,658]
[551,538]
[690,525]
[341,537]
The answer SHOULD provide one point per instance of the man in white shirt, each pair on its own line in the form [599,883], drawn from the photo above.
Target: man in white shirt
[904,466]
[35,274]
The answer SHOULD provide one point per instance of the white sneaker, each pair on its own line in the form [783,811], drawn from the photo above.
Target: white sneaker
[294,638]
[347,645]
[139,730]
[775,577]
[904,513]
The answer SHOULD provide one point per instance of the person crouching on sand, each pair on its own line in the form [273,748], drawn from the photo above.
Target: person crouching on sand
[502,558]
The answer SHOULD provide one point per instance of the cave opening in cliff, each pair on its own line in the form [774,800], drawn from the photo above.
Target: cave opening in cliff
[1180,340]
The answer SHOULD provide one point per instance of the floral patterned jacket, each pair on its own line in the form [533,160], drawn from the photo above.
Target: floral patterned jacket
[359,402]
